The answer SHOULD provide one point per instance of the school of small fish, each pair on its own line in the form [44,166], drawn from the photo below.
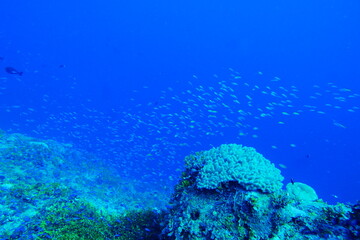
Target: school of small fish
[154,137]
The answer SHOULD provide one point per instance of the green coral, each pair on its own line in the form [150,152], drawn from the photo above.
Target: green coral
[186,181]
[77,219]
[65,216]
[73,220]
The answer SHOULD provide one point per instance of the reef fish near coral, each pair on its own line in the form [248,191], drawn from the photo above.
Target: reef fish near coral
[12,70]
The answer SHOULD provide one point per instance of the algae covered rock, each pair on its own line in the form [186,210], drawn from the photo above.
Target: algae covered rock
[235,163]
[301,191]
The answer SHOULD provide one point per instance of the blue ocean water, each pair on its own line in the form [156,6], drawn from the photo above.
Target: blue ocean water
[145,83]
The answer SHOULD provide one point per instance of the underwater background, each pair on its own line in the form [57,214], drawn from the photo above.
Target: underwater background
[142,84]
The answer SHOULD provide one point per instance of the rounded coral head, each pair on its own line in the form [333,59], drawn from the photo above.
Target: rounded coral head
[235,163]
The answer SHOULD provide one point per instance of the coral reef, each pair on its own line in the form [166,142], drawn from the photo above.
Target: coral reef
[230,209]
[231,162]
[50,190]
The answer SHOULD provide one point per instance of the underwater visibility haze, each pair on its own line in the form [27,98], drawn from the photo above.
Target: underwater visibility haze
[133,87]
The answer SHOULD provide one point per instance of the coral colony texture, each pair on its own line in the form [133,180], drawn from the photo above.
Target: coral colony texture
[233,192]
[50,190]
[234,163]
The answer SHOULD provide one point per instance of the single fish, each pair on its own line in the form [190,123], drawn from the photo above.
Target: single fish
[12,70]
